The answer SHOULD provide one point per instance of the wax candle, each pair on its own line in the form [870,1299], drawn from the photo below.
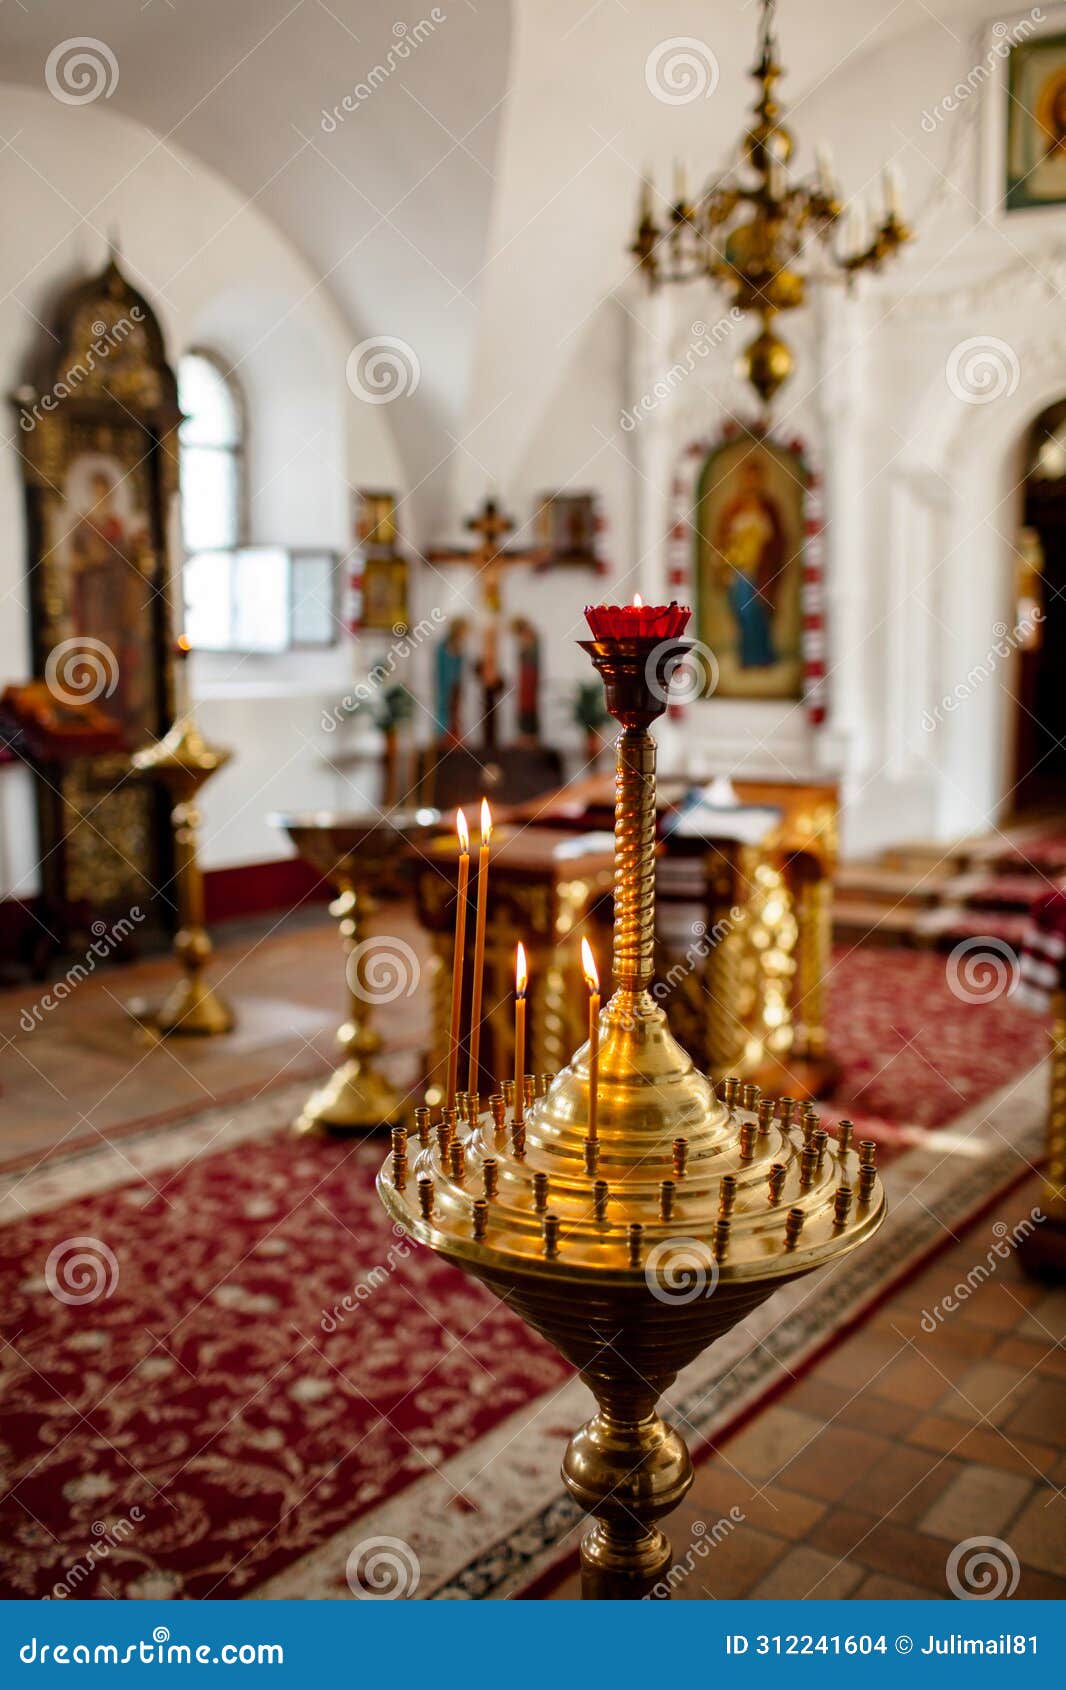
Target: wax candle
[588,963]
[521,981]
[457,961]
[473,1078]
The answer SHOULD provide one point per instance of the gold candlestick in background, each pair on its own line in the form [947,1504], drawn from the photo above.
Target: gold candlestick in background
[521,983]
[473,1084]
[631,1257]
[361,856]
[457,962]
[181,762]
[588,963]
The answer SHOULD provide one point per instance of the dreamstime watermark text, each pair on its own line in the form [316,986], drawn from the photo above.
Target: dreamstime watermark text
[408,38]
[106,940]
[704,340]
[405,643]
[1005,38]
[106,337]
[1006,641]
[1007,1241]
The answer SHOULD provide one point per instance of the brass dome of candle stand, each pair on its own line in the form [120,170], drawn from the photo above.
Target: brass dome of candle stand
[632,1251]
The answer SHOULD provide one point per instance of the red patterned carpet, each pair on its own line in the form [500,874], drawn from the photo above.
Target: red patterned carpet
[194,1409]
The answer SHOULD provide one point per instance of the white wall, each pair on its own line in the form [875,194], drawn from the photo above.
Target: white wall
[219,274]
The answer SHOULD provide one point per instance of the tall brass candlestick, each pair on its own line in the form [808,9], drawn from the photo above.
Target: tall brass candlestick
[588,963]
[457,961]
[709,1208]
[521,981]
[473,1079]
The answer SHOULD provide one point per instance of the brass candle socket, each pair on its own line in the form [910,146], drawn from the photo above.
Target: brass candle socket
[689,1215]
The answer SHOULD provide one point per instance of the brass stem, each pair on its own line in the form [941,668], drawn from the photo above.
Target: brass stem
[634,865]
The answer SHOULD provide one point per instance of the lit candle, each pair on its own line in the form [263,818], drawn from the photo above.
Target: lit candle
[588,963]
[457,961]
[473,1078]
[521,981]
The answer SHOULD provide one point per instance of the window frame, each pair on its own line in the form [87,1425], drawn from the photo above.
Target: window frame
[238,452]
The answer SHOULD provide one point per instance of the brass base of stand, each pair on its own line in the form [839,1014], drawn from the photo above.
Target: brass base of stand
[625,1472]
[355,1099]
[192,1009]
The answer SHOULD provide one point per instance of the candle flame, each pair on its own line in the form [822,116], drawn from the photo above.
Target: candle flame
[486,822]
[463,831]
[638,602]
[588,963]
[183,643]
[521,972]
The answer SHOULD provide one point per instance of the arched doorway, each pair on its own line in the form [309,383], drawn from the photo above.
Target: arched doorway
[1039,775]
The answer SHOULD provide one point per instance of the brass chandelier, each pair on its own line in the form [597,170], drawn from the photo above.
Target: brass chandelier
[753,232]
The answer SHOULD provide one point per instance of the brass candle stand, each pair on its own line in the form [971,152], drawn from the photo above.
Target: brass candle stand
[632,1250]
[358,855]
[181,762]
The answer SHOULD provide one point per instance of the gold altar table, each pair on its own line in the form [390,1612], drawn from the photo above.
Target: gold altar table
[548,890]
[744,928]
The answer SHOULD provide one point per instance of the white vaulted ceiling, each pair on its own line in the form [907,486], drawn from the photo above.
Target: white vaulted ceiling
[478,203]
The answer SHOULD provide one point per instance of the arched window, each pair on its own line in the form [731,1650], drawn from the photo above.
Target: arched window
[238,597]
[212,454]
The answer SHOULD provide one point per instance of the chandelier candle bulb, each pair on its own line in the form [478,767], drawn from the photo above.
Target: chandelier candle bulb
[521,981]
[474,1079]
[592,980]
[463,835]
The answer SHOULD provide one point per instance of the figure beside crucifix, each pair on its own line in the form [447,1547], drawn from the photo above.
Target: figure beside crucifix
[489,557]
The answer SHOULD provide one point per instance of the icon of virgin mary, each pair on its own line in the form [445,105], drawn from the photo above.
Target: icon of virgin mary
[750,544]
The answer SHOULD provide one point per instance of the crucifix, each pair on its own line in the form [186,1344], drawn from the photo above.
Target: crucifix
[489,557]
